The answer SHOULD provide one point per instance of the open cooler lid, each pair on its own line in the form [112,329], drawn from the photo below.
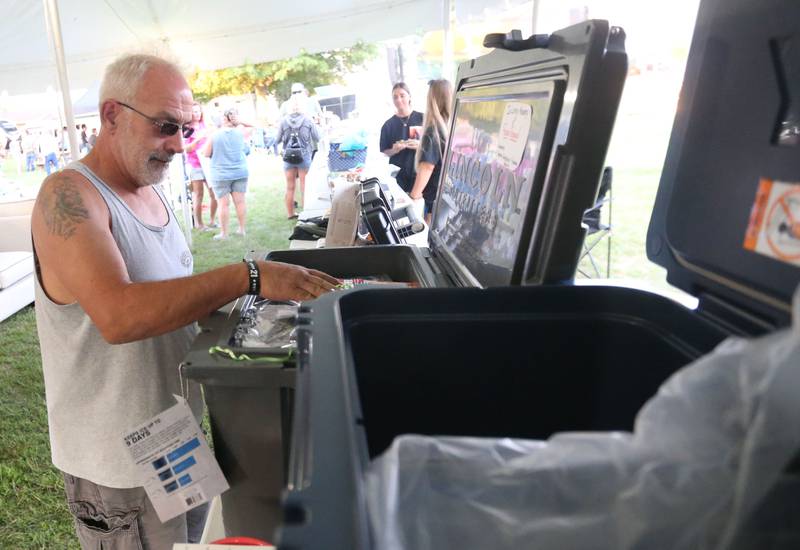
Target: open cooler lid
[726,223]
[529,133]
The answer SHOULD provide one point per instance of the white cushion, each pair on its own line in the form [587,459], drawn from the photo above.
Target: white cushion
[14,266]
[17,297]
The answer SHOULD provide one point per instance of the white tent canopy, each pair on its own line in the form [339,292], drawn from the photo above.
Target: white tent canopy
[65,44]
[202,34]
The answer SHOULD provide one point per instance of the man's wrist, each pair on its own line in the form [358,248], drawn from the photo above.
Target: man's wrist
[254,277]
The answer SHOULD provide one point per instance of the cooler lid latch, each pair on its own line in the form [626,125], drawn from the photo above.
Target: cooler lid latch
[514,42]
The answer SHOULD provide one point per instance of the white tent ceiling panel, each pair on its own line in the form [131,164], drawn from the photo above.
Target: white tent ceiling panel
[202,33]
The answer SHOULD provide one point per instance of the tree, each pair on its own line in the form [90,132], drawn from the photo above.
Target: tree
[276,77]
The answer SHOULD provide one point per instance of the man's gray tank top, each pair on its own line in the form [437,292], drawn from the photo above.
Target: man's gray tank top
[96,392]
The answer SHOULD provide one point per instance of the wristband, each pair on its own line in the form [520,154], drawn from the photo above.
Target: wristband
[254,286]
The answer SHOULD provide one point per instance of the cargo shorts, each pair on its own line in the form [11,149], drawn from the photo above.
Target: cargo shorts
[123,519]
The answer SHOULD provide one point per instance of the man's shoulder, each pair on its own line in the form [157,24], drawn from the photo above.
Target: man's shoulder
[68,177]
[63,202]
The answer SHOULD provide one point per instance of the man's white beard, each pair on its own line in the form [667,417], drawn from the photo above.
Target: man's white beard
[151,173]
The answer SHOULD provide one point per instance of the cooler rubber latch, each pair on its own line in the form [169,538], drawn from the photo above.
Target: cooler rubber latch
[514,42]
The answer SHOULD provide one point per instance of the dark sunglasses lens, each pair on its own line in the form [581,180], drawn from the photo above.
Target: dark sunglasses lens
[169,128]
[187,132]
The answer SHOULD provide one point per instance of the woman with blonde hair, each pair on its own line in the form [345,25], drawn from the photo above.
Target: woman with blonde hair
[228,150]
[197,175]
[297,134]
[431,148]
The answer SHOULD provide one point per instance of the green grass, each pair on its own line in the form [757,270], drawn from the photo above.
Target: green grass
[636,154]
[26,182]
[33,513]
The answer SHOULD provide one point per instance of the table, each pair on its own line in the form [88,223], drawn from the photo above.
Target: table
[317,201]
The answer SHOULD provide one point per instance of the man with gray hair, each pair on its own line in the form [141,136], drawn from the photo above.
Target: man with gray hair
[116,301]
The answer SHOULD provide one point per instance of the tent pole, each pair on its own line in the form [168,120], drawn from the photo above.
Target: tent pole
[54,30]
[535,18]
[449,24]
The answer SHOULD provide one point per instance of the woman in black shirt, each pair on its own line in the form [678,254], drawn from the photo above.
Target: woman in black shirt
[397,142]
[431,148]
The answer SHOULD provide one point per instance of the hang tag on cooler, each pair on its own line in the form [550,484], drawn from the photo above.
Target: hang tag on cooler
[175,463]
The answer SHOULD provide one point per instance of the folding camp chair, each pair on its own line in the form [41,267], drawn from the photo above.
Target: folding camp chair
[597,231]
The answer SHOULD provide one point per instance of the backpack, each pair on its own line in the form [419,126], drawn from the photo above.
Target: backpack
[293,151]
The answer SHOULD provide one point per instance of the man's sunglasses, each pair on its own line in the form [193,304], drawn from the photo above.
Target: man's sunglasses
[165,128]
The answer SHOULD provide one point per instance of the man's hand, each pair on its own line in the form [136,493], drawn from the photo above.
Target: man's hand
[280,281]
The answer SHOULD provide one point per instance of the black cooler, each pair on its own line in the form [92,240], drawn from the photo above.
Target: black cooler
[531,126]
[528,361]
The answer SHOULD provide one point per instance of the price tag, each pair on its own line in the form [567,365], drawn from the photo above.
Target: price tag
[176,466]
[513,135]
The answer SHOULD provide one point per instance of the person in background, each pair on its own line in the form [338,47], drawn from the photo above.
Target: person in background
[309,106]
[397,141]
[228,150]
[197,177]
[296,129]
[257,138]
[431,148]
[270,133]
[115,319]
[30,147]
[48,143]
[216,115]
[84,140]
[64,139]
[92,138]
[63,146]
[15,151]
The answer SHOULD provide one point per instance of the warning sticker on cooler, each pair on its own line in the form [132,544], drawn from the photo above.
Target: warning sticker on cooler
[774,228]
[513,136]
[176,466]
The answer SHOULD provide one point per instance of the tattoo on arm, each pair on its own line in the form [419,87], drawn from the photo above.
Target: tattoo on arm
[64,209]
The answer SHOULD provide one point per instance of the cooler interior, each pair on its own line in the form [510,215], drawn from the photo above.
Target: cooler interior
[454,363]
[396,262]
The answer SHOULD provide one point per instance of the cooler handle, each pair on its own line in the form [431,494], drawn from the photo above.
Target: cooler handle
[513,41]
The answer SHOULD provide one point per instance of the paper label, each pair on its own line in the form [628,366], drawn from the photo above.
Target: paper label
[513,135]
[774,227]
[345,215]
[176,466]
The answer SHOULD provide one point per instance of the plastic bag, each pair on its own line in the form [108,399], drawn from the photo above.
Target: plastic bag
[354,140]
[704,468]
[268,325]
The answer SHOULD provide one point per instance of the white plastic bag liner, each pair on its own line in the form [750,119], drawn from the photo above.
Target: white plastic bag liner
[704,468]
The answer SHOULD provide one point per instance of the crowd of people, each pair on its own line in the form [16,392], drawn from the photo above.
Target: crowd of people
[46,148]
[413,142]
[216,157]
